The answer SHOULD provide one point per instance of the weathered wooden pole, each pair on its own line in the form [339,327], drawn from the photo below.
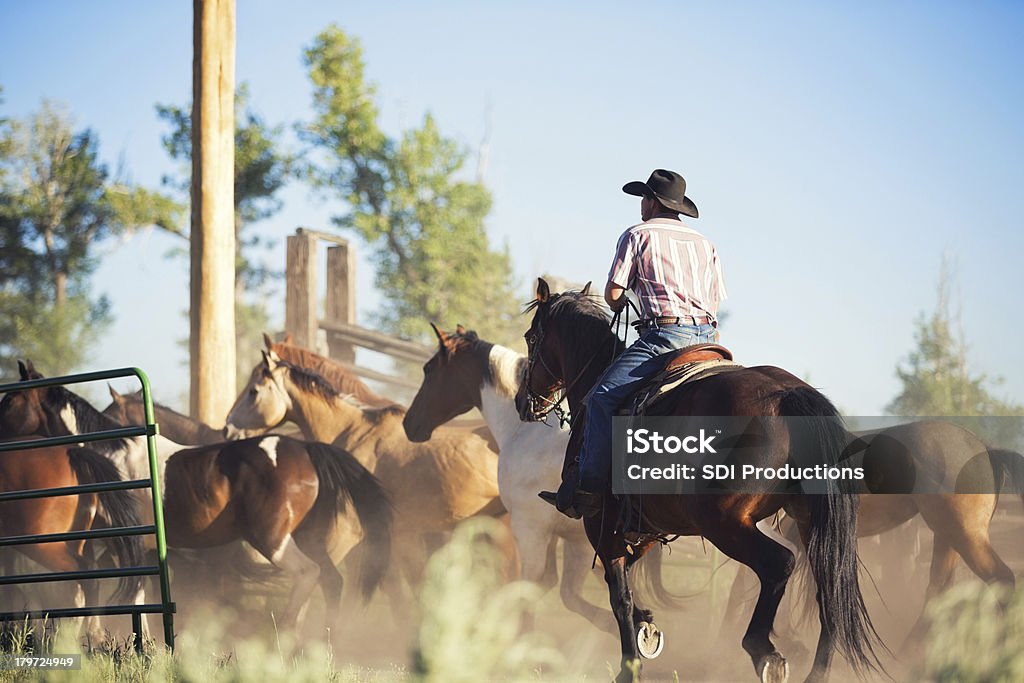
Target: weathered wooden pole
[341,298]
[300,318]
[212,313]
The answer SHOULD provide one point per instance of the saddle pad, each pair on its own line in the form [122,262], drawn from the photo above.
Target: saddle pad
[676,377]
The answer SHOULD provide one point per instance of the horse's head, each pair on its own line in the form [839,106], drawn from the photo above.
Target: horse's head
[22,412]
[263,403]
[451,383]
[124,410]
[41,411]
[570,343]
[538,393]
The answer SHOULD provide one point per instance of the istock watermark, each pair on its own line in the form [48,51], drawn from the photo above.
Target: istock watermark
[815,455]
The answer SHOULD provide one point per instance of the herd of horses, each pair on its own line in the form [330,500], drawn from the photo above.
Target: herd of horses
[373,486]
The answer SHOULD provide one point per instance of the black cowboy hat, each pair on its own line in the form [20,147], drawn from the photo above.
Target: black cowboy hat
[668,187]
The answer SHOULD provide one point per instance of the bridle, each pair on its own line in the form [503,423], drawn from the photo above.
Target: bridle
[541,406]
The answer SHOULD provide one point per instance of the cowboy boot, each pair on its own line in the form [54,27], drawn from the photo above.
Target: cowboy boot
[572,500]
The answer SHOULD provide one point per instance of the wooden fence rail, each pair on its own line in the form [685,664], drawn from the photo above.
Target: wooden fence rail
[342,333]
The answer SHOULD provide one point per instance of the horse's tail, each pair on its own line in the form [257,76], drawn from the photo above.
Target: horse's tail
[343,478]
[832,546]
[648,575]
[1012,464]
[118,509]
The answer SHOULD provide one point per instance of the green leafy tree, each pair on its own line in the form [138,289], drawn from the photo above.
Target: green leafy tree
[408,200]
[57,204]
[262,168]
[937,380]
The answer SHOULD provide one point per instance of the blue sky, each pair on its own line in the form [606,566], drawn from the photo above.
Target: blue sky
[835,151]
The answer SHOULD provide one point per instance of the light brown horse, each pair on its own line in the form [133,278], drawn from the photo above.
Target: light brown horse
[433,485]
[345,381]
[337,375]
[959,522]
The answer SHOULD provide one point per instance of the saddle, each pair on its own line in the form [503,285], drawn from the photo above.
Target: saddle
[689,364]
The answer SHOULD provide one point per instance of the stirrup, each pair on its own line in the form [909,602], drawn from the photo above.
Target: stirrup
[586,503]
[552,497]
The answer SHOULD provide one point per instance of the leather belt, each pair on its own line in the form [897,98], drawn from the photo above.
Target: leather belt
[674,320]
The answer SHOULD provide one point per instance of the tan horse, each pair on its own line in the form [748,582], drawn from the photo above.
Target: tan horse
[339,377]
[433,485]
[344,381]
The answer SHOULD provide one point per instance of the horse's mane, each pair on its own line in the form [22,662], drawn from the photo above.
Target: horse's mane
[377,413]
[87,418]
[312,382]
[191,429]
[471,340]
[583,317]
[334,373]
[136,397]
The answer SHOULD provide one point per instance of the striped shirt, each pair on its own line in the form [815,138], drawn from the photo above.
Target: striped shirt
[672,268]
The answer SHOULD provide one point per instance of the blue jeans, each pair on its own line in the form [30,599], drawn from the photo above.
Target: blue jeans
[625,376]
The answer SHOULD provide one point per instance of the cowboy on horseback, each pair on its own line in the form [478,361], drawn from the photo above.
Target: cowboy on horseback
[677,277]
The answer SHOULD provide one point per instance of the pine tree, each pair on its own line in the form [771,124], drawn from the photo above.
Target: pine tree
[57,203]
[937,380]
[408,198]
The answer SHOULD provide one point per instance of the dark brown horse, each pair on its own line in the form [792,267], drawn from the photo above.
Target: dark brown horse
[129,409]
[59,466]
[302,505]
[570,344]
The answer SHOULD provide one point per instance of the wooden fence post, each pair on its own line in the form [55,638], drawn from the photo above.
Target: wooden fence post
[341,298]
[300,319]
[212,238]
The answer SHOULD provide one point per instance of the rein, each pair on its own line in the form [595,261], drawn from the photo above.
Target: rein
[541,406]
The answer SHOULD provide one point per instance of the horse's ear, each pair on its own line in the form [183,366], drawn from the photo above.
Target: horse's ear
[270,358]
[460,329]
[116,397]
[586,288]
[267,341]
[441,336]
[27,371]
[543,291]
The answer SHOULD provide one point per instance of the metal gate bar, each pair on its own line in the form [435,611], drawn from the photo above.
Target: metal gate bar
[166,606]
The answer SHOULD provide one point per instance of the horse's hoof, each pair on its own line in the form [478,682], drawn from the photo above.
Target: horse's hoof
[649,639]
[774,669]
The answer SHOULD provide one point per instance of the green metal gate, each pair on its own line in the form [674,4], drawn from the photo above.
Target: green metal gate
[149,430]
